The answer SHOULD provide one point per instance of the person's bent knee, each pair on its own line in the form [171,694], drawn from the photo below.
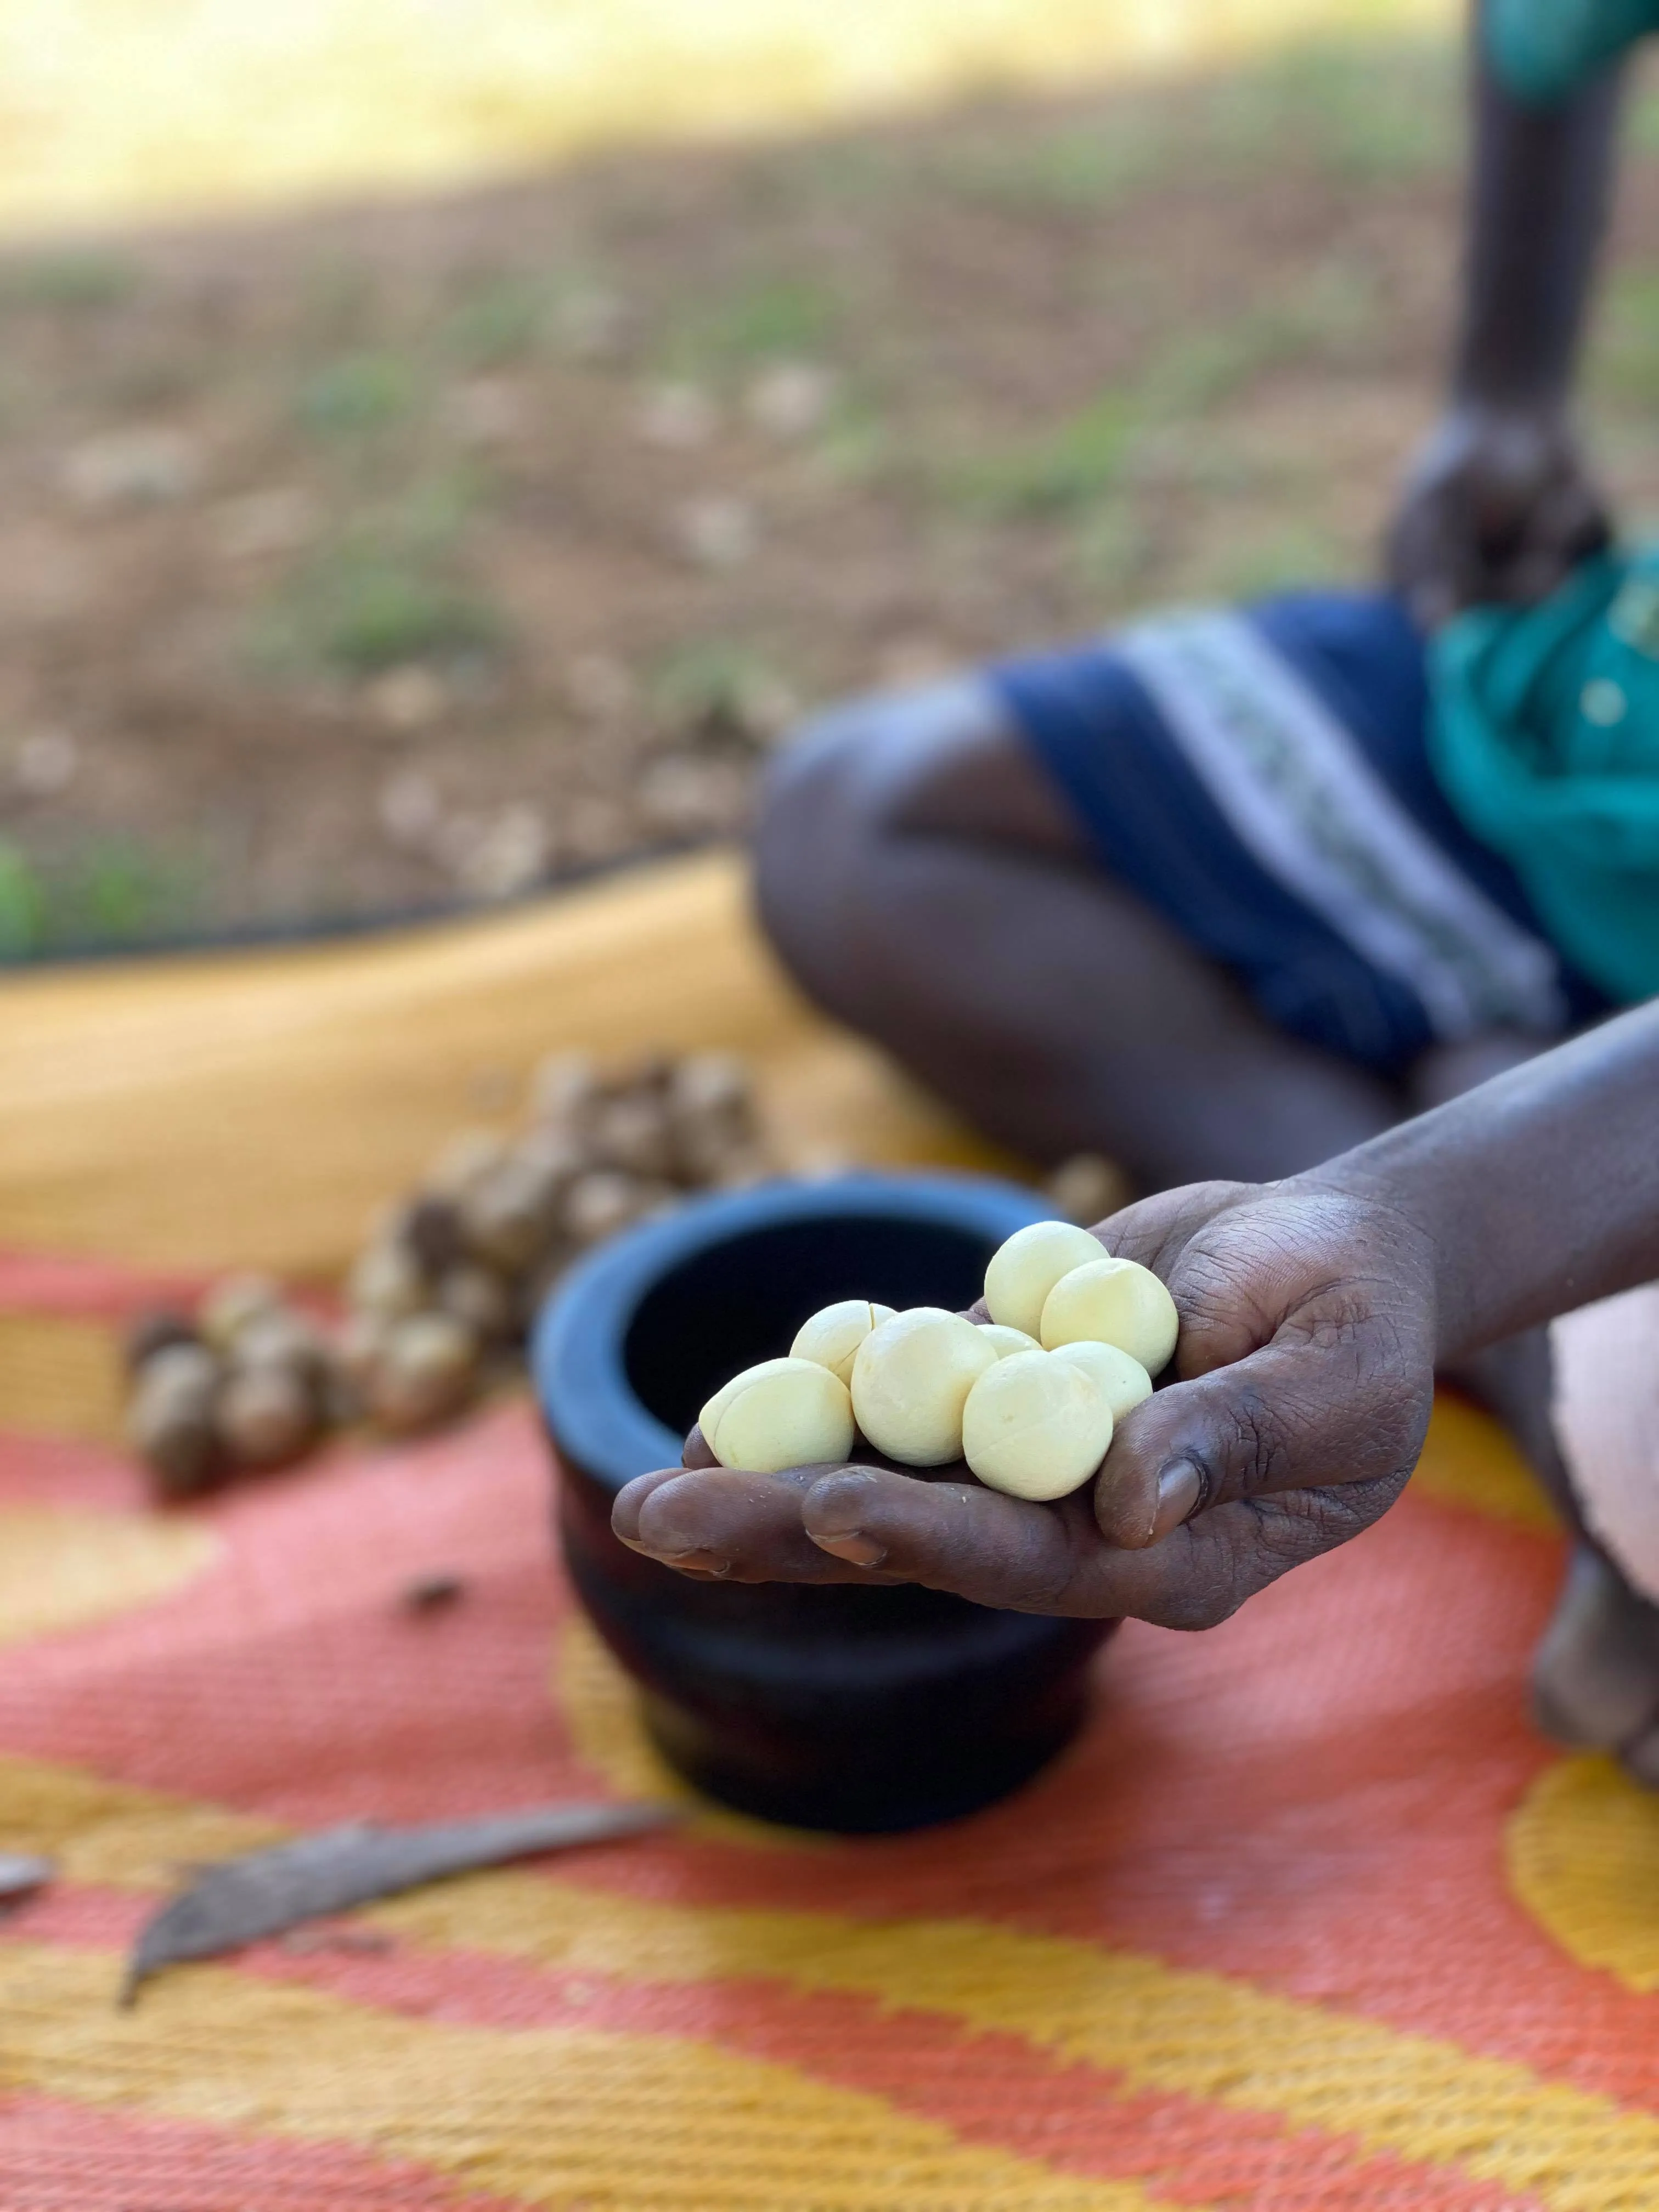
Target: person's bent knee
[836,798]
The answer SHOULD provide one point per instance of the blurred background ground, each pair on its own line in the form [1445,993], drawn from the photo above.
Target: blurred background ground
[380,555]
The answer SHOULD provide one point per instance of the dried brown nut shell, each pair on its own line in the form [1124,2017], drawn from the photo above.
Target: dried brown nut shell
[466,1160]
[232,1303]
[427,1371]
[483,1299]
[597,1206]
[359,1343]
[707,1084]
[429,1229]
[634,1133]
[282,1339]
[388,1281]
[158,1329]
[170,1419]
[564,1088]
[508,1217]
[554,1160]
[266,1416]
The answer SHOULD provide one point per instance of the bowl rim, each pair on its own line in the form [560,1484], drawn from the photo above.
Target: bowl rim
[577,1339]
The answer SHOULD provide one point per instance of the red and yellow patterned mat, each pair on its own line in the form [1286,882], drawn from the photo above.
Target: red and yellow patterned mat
[1310,1918]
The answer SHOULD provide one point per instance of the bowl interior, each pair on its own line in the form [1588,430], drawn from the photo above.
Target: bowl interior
[742,1299]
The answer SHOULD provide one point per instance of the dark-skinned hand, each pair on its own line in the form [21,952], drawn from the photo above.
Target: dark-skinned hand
[1301,1392]
[1497,509]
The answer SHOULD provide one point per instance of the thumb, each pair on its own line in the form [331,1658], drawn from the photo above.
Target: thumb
[1303,1413]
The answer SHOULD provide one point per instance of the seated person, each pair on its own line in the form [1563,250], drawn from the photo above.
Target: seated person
[1227,896]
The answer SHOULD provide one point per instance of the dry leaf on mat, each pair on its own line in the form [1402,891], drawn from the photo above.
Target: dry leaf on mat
[240,1901]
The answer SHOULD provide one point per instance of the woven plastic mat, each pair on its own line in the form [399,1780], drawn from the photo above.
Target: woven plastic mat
[1309,1918]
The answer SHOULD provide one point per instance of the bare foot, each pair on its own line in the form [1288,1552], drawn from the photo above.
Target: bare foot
[1595,1675]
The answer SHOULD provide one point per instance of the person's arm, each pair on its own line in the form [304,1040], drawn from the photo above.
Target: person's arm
[1539,1192]
[1313,1315]
[1498,505]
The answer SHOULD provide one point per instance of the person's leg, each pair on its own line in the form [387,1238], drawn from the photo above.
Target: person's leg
[927,884]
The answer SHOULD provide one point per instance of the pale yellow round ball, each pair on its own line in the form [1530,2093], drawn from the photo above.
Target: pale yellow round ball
[1113,1302]
[833,1336]
[911,1380]
[1008,1341]
[784,1412]
[1036,1426]
[1026,1268]
[1119,1377]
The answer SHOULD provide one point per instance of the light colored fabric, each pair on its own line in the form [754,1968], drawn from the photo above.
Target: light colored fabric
[1606,1416]
[1300,794]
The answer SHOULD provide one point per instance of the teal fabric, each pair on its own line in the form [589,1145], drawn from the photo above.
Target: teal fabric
[1544,50]
[1545,737]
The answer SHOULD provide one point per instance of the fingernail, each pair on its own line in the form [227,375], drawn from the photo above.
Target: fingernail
[858,1551]
[1180,1487]
[695,1562]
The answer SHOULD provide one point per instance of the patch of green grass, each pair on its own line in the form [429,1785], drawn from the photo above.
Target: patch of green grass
[103,892]
[75,278]
[1072,169]
[501,319]
[357,396]
[709,676]
[1079,461]
[1113,549]
[1285,554]
[1624,345]
[768,319]
[365,607]
[1061,469]
[1368,110]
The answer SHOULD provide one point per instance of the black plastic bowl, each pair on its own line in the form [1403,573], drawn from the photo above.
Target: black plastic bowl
[840,1708]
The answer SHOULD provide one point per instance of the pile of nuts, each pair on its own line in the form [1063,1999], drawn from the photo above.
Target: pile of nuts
[1030,1400]
[438,1301]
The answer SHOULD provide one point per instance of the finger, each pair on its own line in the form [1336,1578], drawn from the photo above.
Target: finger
[630,1502]
[1000,1552]
[698,1451]
[1314,1414]
[957,1536]
[742,1527]
[1154,1232]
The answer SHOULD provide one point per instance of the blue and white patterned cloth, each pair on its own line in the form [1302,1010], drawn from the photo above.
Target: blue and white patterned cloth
[1261,778]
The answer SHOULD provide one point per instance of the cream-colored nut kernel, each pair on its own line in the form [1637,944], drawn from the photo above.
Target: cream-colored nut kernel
[1008,1341]
[1036,1426]
[833,1336]
[1113,1302]
[1027,1267]
[911,1379]
[785,1412]
[1120,1378]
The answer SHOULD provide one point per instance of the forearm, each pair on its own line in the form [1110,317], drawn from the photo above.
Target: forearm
[1542,182]
[1537,1192]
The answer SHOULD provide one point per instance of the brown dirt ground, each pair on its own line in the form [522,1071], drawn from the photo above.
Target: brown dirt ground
[391,555]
